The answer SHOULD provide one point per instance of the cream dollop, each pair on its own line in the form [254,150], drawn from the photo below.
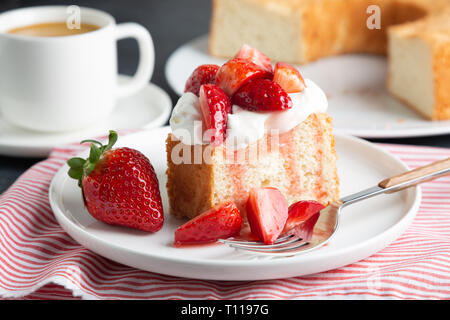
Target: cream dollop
[186,120]
[245,127]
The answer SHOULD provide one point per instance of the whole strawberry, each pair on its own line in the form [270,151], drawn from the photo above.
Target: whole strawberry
[119,186]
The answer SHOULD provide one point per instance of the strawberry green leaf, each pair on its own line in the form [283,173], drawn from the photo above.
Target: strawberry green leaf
[89,168]
[95,154]
[111,140]
[92,141]
[76,163]
[75,173]
[80,168]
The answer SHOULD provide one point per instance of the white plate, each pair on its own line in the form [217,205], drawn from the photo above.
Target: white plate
[355,85]
[366,227]
[149,108]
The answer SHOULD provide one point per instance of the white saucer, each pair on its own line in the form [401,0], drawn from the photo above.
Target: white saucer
[355,85]
[149,108]
[366,227]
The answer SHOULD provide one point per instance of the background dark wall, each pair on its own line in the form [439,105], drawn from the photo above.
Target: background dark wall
[171,23]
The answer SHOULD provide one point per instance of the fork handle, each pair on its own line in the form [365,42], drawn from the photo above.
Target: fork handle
[416,176]
[402,181]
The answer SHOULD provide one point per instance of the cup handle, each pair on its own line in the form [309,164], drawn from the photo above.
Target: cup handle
[146,57]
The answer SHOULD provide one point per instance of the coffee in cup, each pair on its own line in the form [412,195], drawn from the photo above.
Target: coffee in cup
[53,29]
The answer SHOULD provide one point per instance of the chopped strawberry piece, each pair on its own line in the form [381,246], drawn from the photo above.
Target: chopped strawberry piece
[289,78]
[237,72]
[267,211]
[220,222]
[305,230]
[254,55]
[215,106]
[262,95]
[204,74]
[300,212]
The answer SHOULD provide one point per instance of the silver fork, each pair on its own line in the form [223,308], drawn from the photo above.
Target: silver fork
[320,228]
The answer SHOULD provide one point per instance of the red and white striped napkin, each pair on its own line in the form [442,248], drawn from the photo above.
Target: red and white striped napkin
[38,260]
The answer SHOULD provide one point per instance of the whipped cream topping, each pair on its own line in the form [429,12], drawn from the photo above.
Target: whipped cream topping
[245,127]
[186,120]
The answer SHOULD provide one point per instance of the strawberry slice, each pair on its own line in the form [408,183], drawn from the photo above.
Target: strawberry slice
[237,72]
[215,106]
[254,55]
[289,78]
[220,222]
[204,74]
[267,211]
[300,212]
[305,230]
[262,95]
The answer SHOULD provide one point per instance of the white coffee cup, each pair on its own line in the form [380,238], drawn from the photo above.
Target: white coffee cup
[65,83]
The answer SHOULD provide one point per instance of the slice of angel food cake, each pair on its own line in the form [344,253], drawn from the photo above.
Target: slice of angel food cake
[247,125]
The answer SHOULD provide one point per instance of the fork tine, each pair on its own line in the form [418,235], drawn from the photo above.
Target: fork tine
[256,245]
[279,250]
[281,247]
[259,243]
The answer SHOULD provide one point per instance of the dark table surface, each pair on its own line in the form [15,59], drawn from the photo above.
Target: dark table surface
[171,23]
